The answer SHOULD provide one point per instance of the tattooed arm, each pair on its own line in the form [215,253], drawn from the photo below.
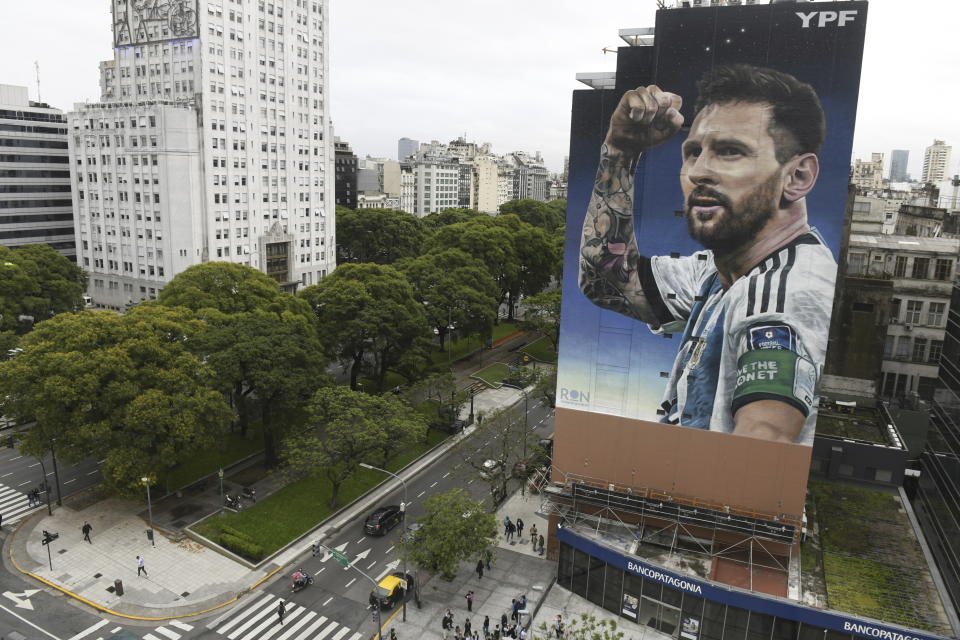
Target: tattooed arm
[609,259]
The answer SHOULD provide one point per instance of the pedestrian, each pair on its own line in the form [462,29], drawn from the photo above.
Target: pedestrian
[503,622]
[467,627]
[480,569]
[506,525]
[533,536]
[1,521]
[456,633]
[469,598]
[558,626]
[393,634]
[511,528]
[86,531]
[496,633]
[486,626]
[30,498]
[514,607]
[541,544]
[519,528]
[488,556]
[140,567]
[447,620]
[523,602]
[523,634]
[281,609]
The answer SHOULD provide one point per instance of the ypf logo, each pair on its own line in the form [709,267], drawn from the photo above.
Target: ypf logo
[573,396]
[841,18]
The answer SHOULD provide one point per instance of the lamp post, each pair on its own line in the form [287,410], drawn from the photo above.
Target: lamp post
[220,475]
[403,511]
[146,481]
[56,472]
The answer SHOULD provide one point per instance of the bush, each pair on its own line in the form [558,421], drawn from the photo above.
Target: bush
[242,547]
[236,533]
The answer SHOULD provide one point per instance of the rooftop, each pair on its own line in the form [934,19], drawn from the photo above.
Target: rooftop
[852,422]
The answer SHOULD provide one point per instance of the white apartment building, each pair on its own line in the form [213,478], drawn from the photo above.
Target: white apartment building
[436,184]
[485,184]
[211,142]
[35,202]
[529,176]
[936,162]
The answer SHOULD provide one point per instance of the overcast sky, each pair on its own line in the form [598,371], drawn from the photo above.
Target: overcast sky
[501,71]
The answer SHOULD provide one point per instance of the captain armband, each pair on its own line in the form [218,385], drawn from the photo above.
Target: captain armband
[772,369]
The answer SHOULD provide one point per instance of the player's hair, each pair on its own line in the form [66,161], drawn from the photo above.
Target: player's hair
[798,124]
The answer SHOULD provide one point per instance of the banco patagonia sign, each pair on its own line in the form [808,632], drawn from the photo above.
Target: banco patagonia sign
[665,578]
[871,631]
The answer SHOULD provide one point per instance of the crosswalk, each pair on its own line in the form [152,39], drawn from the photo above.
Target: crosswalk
[259,621]
[172,630]
[14,504]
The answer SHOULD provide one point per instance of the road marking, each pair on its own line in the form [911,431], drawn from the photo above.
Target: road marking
[17,458]
[485,444]
[178,625]
[446,474]
[242,613]
[327,601]
[101,461]
[35,464]
[69,481]
[371,565]
[322,569]
[421,494]
[339,634]
[173,635]
[31,624]
[93,472]
[389,550]
[150,636]
[352,580]
[23,483]
[433,485]
[299,623]
[470,481]
[323,634]
[88,630]
[292,613]
[361,539]
[115,629]
[6,474]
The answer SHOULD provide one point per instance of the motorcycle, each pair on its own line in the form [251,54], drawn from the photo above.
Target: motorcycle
[301,579]
[250,494]
[232,502]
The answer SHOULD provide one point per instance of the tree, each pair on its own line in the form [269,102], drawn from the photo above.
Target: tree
[229,288]
[369,309]
[438,219]
[536,259]
[346,428]
[455,528]
[274,358]
[382,236]
[454,288]
[126,387]
[38,282]
[504,429]
[543,215]
[541,314]
[546,385]
[440,390]
[586,627]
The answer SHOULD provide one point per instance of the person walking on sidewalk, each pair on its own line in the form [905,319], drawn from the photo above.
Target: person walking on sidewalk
[503,623]
[558,626]
[393,634]
[511,529]
[533,536]
[541,544]
[281,609]
[506,525]
[467,628]
[86,528]
[486,626]
[496,633]
[469,598]
[480,569]
[519,528]
[140,567]
[488,557]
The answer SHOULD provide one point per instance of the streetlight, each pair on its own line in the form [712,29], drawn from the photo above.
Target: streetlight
[220,475]
[145,480]
[403,511]
[56,472]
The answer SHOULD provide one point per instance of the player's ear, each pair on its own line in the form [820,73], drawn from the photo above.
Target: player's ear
[801,177]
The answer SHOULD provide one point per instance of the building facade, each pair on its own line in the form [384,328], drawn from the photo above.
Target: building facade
[346,174]
[936,162]
[868,174]
[406,147]
[35,202]
[213,120]
[898,165]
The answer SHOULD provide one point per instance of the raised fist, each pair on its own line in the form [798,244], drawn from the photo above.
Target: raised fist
[644,118]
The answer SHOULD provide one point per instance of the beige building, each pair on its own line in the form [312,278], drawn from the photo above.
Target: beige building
[936,162]
[868,174]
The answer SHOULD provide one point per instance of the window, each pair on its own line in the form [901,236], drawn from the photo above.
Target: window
[921,267]
[935,313]
[894,310]
[855,262]
[936,347]
[914,308]
[903,346]
[888,347]
[900,267]
[919,349]
[943,269]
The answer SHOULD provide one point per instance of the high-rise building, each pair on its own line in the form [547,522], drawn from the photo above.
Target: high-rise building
[406,147]
[898,165]
[211,142]
[346,174]
[936,162]
[35,203]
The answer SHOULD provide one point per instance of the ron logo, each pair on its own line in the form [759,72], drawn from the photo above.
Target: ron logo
[573,396]
[826,17]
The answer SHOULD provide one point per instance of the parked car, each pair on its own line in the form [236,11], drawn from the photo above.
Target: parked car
[391,589]
[491,468]
[382,520]
[410,535]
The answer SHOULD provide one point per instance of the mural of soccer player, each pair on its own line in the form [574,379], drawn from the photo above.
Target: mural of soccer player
[754,306]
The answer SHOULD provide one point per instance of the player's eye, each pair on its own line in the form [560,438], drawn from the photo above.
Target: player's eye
[691,151]
[729,152]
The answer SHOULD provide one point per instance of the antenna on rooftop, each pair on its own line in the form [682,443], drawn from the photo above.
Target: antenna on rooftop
[37,66]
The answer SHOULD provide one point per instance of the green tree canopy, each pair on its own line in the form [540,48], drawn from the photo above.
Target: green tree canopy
[37,281]
[369,310]
[229,288]
[434,221]
[126,387]
[543,215]
[541,314]
[455,528]
[382,236]
[347,428]
[510,443]
[454,288]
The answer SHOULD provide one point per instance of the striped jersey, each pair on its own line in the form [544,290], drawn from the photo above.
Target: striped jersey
[763,338]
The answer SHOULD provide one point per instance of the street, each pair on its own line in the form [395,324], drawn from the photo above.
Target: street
[20,473]
[333,608]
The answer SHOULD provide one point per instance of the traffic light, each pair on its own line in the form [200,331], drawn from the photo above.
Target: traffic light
[49,537]
[316,548]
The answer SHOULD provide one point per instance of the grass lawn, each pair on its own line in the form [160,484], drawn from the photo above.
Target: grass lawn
[390,380]
[542,350]
[469,344]
[494,373]
[235,447]
[286,515]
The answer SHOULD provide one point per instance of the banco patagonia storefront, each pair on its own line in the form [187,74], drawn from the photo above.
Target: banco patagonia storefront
[688,608]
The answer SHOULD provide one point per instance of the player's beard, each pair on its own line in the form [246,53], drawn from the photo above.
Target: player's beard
[739,223]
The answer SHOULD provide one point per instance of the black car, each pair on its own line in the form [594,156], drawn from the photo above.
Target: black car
[382,520]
